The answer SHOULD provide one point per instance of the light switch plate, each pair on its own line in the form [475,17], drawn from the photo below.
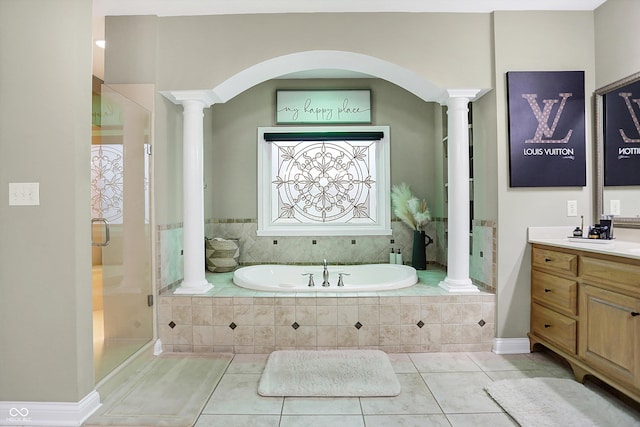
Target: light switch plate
[614,207]
[572,208]
[24,193]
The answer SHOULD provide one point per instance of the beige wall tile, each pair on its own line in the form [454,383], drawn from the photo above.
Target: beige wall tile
[285,337]
[202,314]
[410,314]
[202,335]
[222,315]
[306,315]
[183,348]
[306,336]
[327,336]
[347,314]
[181,314]
[347,337]
[264,336]
[284,315]
[450,334]
[306,301]
[410,335]
[471,313]
[431,312]
[243,315]
[222,336]
[431,336]
[243,335]
[369,336]
[369,315]
[326,301]
[181,334]
[389,314]
[327,315]
[263,315]
[389,335]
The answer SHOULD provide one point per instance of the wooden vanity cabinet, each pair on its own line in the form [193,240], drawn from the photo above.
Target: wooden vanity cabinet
[586,308]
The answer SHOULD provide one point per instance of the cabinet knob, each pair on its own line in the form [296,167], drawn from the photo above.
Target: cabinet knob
[635,313]
[546,325]
[547,260]
[547,290]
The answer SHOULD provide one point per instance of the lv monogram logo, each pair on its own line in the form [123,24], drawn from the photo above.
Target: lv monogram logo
[634,117]
[542,116]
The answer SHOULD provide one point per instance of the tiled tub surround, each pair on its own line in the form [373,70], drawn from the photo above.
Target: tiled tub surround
[422,318]
[336,249]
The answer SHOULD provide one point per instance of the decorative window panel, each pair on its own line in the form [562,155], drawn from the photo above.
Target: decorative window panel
[313,182]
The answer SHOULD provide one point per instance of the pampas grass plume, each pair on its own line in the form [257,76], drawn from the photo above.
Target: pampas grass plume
[411,210]
[400,196]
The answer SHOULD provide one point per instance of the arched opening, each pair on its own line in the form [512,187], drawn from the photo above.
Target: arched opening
[457,99]
[327,63]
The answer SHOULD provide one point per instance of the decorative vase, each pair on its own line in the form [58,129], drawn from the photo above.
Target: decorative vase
[419,256]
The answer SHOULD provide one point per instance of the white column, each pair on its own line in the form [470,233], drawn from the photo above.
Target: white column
[193,103]
[457,279]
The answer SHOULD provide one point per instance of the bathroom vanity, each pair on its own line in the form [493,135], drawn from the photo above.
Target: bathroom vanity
[585,306]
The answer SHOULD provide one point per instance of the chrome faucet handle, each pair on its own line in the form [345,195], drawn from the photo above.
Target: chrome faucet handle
[340,282]
[311,283]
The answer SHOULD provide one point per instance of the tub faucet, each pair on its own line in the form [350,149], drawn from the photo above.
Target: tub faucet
[325,274]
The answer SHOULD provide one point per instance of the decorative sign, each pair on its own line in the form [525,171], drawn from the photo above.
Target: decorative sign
[323,106]
[546,128]
[622,136]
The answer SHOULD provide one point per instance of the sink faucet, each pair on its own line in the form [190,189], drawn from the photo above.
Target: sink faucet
[325,274]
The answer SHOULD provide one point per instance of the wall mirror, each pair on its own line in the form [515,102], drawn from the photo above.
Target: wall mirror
[617,137]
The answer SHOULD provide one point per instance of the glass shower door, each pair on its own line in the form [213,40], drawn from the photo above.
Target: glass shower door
[121,240]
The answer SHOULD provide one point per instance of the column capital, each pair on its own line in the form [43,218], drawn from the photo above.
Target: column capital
[460,94]
[206,97]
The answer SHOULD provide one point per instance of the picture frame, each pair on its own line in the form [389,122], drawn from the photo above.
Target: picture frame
[546,128]
[351,106]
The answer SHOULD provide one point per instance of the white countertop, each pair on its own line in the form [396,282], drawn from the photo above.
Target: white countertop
[559,236]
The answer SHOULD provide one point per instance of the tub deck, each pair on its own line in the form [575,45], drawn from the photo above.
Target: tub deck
[420,318]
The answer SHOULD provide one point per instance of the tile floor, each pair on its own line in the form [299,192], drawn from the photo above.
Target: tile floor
[438,389]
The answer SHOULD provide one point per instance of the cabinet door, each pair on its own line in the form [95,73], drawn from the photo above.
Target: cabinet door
[608,338]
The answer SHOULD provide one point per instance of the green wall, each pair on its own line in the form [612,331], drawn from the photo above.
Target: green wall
[231,141]
[45,253]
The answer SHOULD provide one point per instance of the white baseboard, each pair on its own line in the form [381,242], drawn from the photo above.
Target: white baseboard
[62,414]
[511,345]
[157,347]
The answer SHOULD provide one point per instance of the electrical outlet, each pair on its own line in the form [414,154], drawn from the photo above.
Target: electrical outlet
[614,207]
[572,208]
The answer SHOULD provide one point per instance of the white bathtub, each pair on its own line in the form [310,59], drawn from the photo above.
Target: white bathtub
[293,278]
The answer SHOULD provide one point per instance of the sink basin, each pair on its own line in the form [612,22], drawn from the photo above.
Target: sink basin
[634,250]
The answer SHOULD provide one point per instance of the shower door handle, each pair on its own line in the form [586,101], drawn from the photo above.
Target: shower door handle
[107,235]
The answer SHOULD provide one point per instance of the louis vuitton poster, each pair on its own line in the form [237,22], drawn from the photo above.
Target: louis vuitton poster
[546,128]
[622,136]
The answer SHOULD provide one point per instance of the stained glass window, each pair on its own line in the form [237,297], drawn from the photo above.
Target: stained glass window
[324,186]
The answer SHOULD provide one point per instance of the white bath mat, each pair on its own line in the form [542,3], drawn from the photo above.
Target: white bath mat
[330,373]
[548,402]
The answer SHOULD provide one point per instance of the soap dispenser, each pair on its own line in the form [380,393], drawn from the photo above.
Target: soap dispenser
[392,257]
[399,258]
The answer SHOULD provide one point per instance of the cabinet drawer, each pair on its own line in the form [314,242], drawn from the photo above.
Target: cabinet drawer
[554,327]
[559,261]
[560,293]
[604,271]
